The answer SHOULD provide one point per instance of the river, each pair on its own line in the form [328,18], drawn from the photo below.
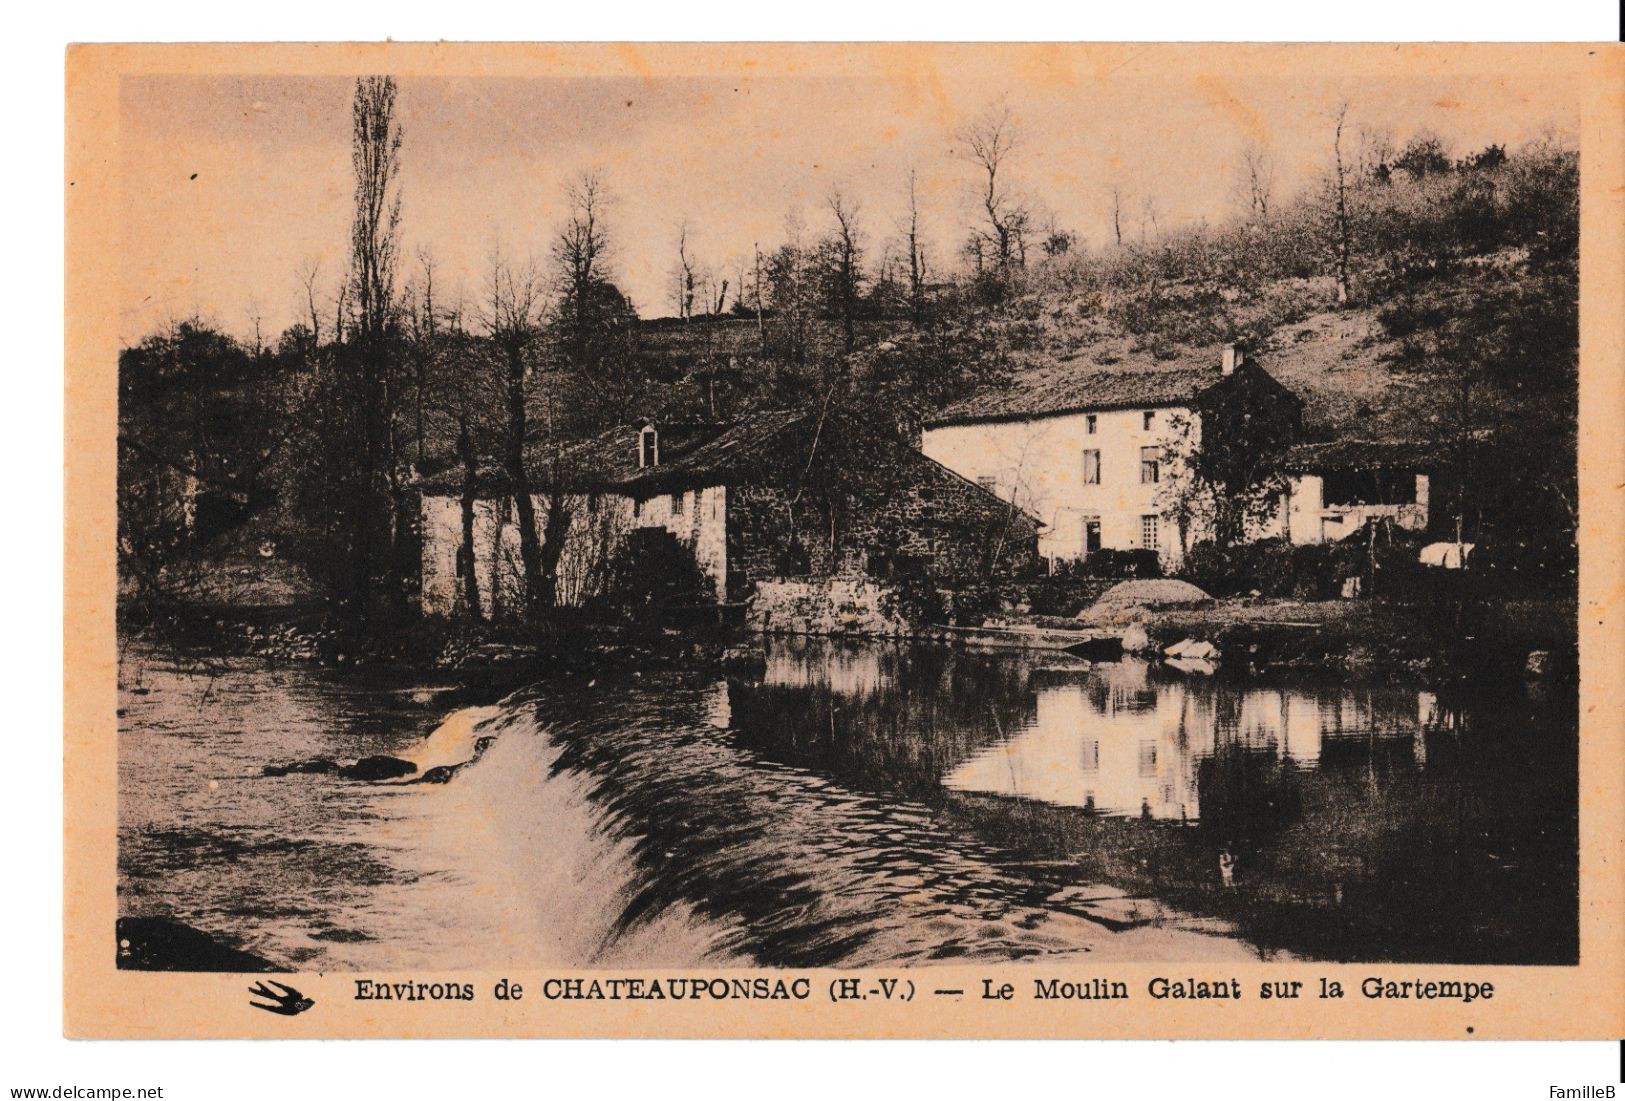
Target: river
[853,805]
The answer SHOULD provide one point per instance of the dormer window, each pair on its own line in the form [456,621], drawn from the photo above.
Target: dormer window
[648,446]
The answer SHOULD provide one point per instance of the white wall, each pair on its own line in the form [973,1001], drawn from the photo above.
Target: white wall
[1038,464]
[697,518]
[1310,520]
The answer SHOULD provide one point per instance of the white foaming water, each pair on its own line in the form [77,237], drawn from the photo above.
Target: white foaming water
[506,864]
[452,742]
[515,863]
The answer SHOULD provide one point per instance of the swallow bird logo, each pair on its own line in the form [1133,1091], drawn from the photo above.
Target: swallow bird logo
[289,1002]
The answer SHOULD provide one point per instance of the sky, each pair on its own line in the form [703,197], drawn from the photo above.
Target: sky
[234,184]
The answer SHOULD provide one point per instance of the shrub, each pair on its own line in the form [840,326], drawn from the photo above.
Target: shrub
[1315,571]
[1111,562]
[970,606]
[916,600]
[650,571]
[1270,567]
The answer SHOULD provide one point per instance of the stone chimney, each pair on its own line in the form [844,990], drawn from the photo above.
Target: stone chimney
[1232,359]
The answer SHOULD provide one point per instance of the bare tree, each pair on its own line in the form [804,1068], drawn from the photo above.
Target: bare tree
[512,318]
[424,325]
[1150,212]
[464,390]
[580,252]
[761,324]
[341,311]
[1340,206]
[256,325]
[790,285]
[1258,178]
[683,274]
[1375,152]
[309,274]
[989,143]
[916,254]
[846,255]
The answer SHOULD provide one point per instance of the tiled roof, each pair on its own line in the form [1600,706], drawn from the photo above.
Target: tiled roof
[1076,386]
[690,456]
[1359,455]
[737,451]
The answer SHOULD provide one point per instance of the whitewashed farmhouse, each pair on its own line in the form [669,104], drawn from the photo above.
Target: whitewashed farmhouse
[1091,451]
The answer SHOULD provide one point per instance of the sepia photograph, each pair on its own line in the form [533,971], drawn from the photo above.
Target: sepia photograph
[806,522]
[939,541]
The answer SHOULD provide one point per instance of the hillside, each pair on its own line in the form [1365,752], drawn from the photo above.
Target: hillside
[1443,313]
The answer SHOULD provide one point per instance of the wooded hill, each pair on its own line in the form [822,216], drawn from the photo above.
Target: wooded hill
[1417,298]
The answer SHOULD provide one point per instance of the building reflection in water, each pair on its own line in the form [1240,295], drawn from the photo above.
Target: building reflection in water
[841,670]
[1129,740]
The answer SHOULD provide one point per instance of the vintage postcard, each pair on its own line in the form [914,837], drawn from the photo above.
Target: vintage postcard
[845,541]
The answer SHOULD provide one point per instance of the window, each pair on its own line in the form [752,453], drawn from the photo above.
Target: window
[1090,423]
[1090,757]
[1091,534]
[1091,468]
[1149,417]
[1148,533]
[1341,488]
[1150,457]
[648,446]
[1148,758]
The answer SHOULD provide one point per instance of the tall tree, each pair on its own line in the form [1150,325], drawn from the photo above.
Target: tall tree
[309,274]
[580,253]
[593,322]
[790,291]
[845,251]
[512,318]
[425,331]
[683,277]
[1343,234]
[1258,178]
[375,156]
[989,143]
[465,400]
[916,254]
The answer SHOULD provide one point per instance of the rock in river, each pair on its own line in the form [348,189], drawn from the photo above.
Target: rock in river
[378,768]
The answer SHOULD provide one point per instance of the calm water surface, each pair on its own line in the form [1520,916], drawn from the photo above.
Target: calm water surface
[853,805]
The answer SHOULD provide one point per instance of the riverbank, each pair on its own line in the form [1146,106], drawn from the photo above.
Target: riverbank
[1488,640]
[481,655]
[1484,640]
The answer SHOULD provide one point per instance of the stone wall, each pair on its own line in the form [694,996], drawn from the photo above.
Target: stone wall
[598,525]
[698,518]
[899,514]
[825,606]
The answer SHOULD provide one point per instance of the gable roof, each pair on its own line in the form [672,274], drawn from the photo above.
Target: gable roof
[1062,386]
[763,447]
[1355,454]
[691,456]
[734,453]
